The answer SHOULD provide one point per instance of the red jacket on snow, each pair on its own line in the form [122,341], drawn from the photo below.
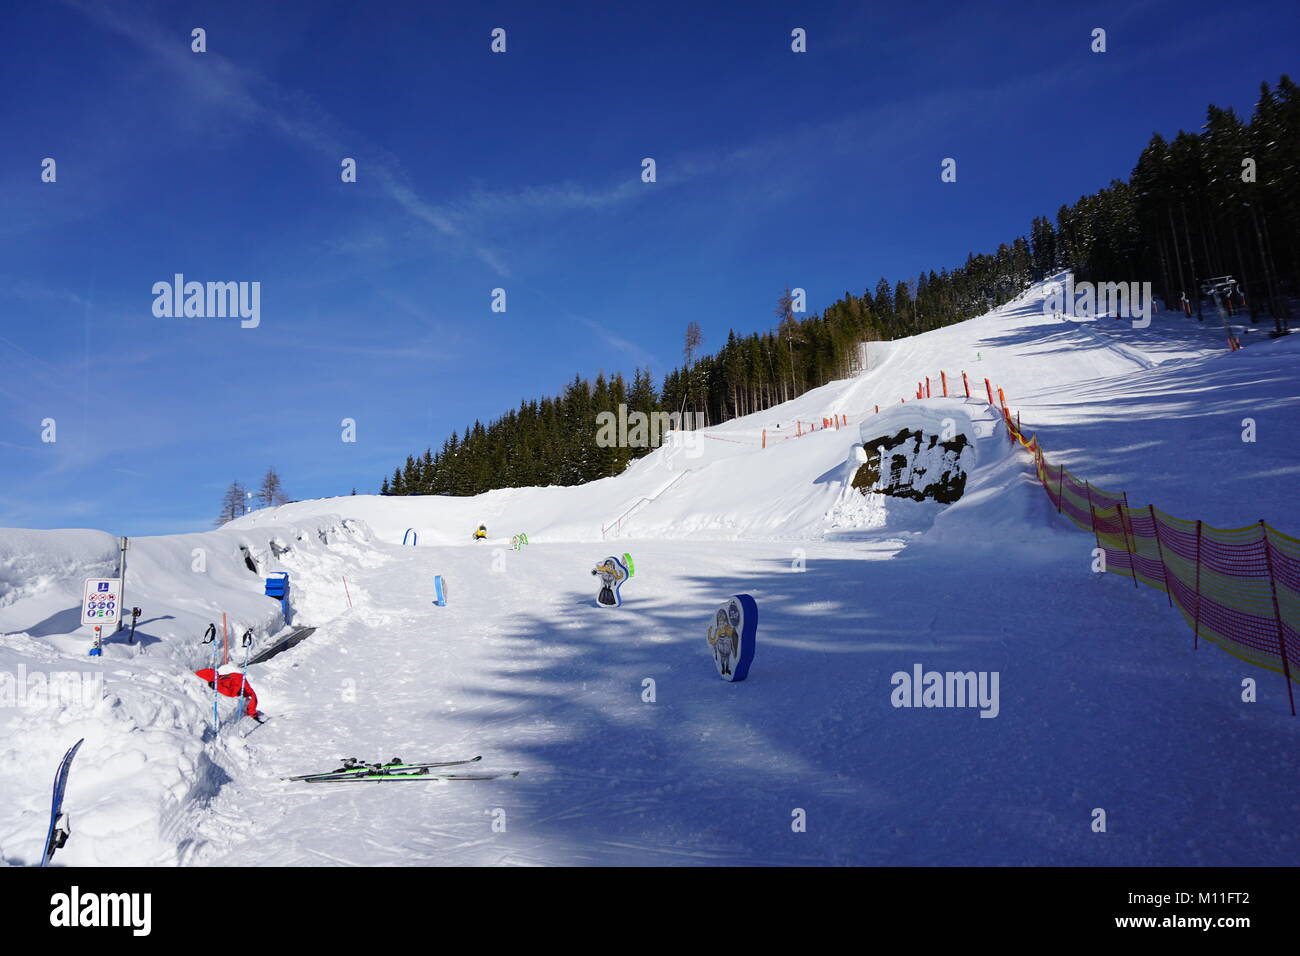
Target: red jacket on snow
[231,685]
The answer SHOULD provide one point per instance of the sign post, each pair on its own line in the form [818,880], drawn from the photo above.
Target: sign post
[121,573]
[101,605]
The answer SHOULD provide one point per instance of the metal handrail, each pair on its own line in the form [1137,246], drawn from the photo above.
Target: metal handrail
[642,501]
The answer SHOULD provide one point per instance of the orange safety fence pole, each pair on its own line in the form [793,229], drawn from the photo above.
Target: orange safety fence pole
[927,386]
[1092,514]
[989,389]
[764,437]
[1160,550]
[944,375]
[1196,621]
[966,382]
[1277,614]
[1132,548]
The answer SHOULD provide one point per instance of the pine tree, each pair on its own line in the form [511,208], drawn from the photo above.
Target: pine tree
[1186,212]
[233,504]
[271,491]
[787,329]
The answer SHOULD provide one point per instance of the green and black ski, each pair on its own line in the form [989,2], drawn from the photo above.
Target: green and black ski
[393,776]
[354,767]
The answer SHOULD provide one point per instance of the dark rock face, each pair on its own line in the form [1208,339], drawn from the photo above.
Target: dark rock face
[913,465]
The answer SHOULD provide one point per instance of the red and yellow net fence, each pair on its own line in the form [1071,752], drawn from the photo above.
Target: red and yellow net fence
[1238,588]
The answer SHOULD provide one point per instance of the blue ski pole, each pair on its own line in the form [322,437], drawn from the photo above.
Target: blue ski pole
[243,674]
[210,637]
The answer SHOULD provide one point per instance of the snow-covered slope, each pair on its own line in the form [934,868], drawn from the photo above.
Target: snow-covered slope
[1157,412]
[1098,684]
[145,765]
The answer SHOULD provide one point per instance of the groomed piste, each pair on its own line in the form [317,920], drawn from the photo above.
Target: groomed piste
[630,748]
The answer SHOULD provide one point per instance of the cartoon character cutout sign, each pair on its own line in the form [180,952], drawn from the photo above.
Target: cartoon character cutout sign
[733,637]
[612,573]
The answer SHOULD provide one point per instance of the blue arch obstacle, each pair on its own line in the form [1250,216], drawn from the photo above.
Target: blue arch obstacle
[415,538]
[733,636]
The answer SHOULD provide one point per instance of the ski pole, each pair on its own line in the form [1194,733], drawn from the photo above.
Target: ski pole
[210,637]
[243,675]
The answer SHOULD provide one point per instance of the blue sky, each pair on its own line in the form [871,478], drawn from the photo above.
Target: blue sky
[518,170]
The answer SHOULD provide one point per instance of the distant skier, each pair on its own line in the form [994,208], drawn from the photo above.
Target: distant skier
[231,682]
[481,533]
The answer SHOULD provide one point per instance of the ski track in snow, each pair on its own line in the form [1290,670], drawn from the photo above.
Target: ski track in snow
[549,684]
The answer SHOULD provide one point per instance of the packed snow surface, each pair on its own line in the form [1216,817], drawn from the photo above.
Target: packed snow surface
[629,747]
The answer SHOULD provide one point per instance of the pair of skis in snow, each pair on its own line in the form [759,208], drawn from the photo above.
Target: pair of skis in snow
[355,770]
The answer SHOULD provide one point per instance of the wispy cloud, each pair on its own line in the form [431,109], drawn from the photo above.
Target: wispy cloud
[256,99]
[547,199]
[602,330]
[30,291]
[630,349]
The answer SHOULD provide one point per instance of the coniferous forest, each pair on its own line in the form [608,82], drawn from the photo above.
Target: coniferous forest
[1221,201]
